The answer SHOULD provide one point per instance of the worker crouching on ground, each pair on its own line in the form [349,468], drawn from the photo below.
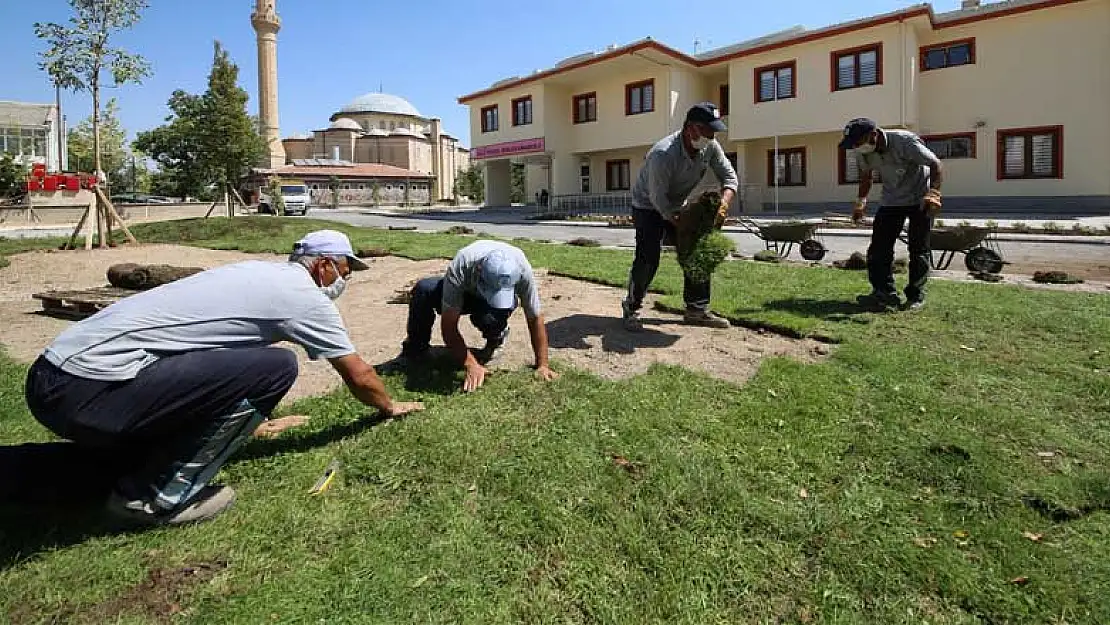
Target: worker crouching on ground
[911,177]
[672,169]
[180,376]
[484,281]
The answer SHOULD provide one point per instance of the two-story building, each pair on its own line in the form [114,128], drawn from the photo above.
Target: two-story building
[1014,96]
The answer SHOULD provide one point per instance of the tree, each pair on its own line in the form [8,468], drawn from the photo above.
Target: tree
[470,182]
[516,183]
[176,148]
[113,138]
[333,184]
[277,200]
[79,53]
[229,139]
[12,177]
[208,138]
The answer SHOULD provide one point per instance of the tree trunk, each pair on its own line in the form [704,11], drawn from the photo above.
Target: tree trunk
[96,156]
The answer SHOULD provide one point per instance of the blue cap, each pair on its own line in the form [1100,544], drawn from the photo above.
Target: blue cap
[856,130]
[329,243]
[706,113]
[497,280]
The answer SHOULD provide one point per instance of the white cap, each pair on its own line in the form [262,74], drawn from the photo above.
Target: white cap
[329,243]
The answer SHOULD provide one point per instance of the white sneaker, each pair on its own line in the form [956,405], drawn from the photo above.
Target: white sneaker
[210,502]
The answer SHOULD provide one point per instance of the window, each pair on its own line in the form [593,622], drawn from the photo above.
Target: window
[617,177]
[789,169]
[776,82]
[722,94]
[1030,153]
[584,177]
[585,108]
[849,170]
[639,97]
[489,119]
[949,54]
[858,67]
[961,145]
[522,111]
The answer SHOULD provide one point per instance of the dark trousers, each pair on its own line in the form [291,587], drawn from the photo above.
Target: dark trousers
[181,418]
[427,302]
[651,228]
[880,255]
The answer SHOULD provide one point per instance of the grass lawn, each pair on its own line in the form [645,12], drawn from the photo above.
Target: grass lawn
[950,466]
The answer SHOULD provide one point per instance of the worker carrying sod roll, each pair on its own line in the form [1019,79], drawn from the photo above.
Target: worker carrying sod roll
[700,245]
[671,171]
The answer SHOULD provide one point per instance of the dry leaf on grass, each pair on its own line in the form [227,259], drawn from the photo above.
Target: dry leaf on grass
[1033,537]
[960,534]
[626,464]
[803,493]
[924,541]
[1020,581]
[966,348]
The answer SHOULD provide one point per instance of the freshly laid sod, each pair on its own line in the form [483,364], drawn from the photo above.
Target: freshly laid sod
[945,466]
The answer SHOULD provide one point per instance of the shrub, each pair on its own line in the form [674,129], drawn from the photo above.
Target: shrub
[459,230]
[1051,227]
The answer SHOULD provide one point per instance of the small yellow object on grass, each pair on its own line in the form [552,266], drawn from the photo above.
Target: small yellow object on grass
[326,479]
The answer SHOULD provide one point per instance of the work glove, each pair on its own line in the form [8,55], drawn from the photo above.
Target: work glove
[722,215]
[931,204]
[858,210]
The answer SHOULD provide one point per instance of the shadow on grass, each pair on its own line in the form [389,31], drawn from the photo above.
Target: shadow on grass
[836,310]
[571,333]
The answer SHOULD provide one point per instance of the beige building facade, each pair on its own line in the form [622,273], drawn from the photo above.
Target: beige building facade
[384,129]
[1013,96]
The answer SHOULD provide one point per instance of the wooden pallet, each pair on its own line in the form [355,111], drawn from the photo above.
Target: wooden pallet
[82,303]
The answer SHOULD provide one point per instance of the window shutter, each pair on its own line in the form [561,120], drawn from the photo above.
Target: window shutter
[767,86]
[846,73]
[1014,156]
[797,167]
[786,83]
[648,103]
[868,68]
[1043,157]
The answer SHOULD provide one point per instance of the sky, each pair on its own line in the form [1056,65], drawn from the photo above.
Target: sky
[430,53]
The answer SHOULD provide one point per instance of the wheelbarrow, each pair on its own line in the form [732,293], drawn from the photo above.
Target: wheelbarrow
[978,245]
[780,237]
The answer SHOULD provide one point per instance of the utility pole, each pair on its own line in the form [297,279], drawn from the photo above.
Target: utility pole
[59,126]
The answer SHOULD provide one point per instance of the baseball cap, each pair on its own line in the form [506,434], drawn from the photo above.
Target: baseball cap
[856,129]
[329,243]
[706,113]
[497,279]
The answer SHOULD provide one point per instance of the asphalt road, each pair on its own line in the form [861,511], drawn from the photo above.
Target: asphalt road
[1091,260]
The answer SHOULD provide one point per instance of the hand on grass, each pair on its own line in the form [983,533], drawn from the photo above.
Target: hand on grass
[272,427]
[547,374]
[475,376]
[402,408]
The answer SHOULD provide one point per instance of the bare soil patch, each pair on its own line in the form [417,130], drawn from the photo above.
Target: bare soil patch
[583,319]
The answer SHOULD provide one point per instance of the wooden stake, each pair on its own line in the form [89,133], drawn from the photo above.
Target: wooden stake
[110,211]
[72,243]
[210,209]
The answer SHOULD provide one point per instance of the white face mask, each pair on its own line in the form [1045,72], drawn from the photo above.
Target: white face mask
[700,143]
[335,289]
[866,148]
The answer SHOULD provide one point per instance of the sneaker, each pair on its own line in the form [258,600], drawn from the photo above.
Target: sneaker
[913,305]
[877,302]
[493,347]
[631,319]
[706,319]
[210,502]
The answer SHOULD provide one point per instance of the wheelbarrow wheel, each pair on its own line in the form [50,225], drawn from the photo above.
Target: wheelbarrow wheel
[812,249]
[983,260]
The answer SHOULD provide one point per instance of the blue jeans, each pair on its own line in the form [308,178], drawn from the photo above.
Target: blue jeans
[427,302]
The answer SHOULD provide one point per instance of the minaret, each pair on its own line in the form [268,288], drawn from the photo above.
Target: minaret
[267,24]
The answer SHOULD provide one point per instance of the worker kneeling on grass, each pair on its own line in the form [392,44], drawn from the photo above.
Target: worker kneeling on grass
[484,281]
[180,376]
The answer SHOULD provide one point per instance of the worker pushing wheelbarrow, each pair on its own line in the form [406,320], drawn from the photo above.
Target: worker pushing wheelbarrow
[780,237]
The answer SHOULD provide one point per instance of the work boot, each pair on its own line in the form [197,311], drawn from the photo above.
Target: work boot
[209,502]
[877,302]
[631,318]
[705,318]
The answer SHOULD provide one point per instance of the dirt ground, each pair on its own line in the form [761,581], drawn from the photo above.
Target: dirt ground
[583,322]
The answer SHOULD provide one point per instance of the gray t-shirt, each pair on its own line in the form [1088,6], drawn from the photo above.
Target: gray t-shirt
[670,174]
[903,165]
[464,271]
[246,304]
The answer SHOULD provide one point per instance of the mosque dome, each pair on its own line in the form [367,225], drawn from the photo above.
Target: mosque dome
[380,103]
[406,132]
[345,123]
[377,132]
